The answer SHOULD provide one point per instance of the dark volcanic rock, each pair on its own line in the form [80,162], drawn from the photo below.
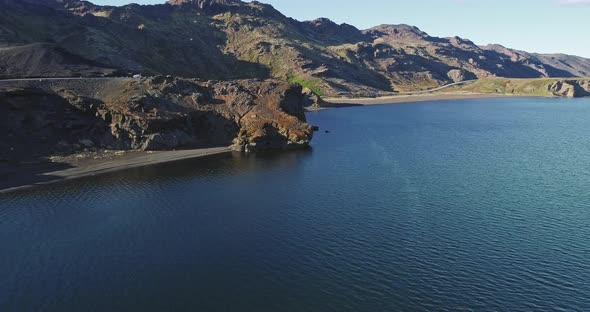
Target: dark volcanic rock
[46,60]
[35,122]
[152,114]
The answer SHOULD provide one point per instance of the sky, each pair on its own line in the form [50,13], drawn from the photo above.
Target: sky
[543,26]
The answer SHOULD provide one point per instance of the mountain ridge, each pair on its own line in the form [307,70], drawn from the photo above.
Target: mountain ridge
[231,39]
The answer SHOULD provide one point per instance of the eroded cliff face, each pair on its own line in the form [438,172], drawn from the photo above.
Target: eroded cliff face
[571,88]
[162,113]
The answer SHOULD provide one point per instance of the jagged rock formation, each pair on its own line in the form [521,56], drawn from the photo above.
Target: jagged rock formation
[202,4]
[160,113]
[570,88]
[458,75]
[230,39]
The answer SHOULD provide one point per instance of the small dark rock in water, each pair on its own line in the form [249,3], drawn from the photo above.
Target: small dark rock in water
[327,131]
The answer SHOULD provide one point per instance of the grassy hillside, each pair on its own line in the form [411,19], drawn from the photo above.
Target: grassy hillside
[531,87]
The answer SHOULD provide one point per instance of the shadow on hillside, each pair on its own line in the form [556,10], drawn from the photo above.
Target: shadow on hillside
[355,73]
[519,69]
[181,41]
[156,39]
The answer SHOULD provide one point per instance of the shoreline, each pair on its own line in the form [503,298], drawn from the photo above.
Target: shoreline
[29,176]
[26,176]
[401,99]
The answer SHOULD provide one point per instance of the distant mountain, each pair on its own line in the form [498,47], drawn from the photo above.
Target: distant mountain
[227,39]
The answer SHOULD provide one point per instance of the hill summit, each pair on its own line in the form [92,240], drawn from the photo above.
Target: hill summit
[231,39]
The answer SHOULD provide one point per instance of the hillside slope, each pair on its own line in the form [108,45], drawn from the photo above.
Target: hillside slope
[230,39]
[46,60]
[545,87]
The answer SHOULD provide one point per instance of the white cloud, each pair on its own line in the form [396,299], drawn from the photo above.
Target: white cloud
[574,2]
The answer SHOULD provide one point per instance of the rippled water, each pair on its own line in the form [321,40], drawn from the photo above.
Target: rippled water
[448,206]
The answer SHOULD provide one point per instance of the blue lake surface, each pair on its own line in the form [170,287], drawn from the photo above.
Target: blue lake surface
[436,206]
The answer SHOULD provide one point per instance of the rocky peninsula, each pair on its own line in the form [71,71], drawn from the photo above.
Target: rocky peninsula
[66,120]
[250,71]
[53,116]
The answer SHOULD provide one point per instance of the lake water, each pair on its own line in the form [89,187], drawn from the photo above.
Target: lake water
[441,206]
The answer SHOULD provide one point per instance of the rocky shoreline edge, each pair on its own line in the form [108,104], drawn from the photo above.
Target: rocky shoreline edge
[62,129]
[69,123]
[31,175]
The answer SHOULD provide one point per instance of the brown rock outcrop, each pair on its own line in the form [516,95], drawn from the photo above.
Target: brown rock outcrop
[458,75]
[570,88]
[160,113]
[310,99]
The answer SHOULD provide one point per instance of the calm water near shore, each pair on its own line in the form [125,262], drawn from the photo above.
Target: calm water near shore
[445,206]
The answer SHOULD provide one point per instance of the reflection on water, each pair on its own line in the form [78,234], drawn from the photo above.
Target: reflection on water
[469,205]
[223,165]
